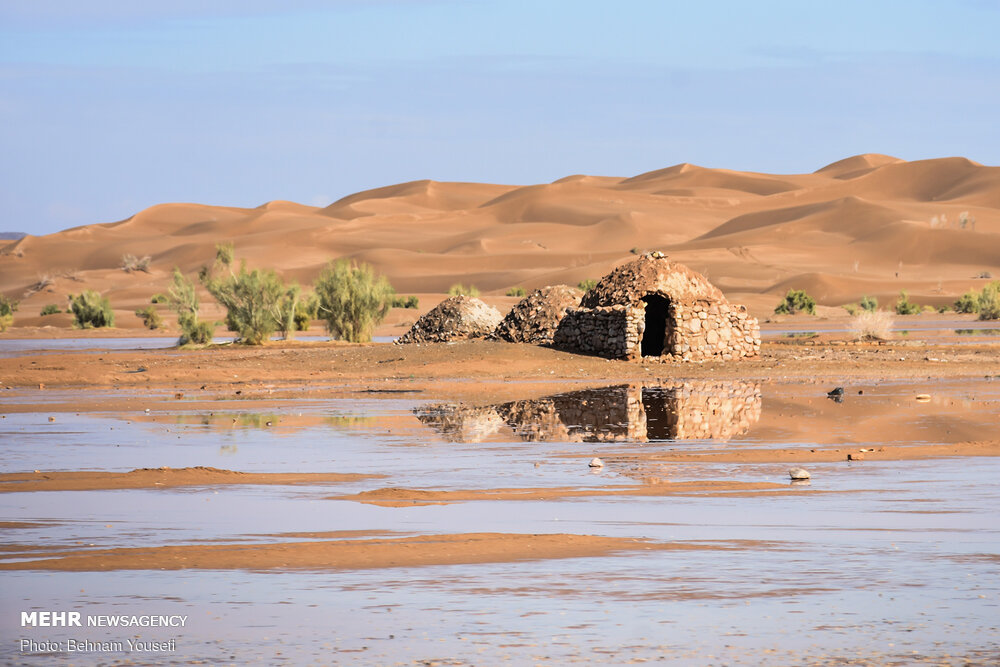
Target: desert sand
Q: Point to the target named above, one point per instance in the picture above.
(866, 225)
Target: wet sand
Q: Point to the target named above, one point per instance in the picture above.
(425, 550)
(149, 478)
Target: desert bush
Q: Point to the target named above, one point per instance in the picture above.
(405, 302)
(50, 309)
(7, 309)
(159, 298)
(984, 275)
(458, 289)
(869, 303)
(943, 309)
(968, 302)
(91, 310)
(516, 291)
(989, 302)
(132, 263)
(587, 285)
(872, 325)
(256, 301)
(44, 280)
(150, 318)
(906, 307)
(795, 301)
(352, 300)
(183, 300)
(306, 310)
(288, 306)
(851, 308)
(7, 306)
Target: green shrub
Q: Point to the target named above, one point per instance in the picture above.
(458, 289)
(906, 307)
(256, 302)
(968, 302)
(795, 301)
(7, 309)
(405, 302)
(159, 298)
(516, 291)
(150, 318)
(943, 309)
(352, 300)
(183, 300)
(306, 310)
(989, 302)
(869, 303)
(91, 310)
(50, 309)
(7, 306)
(587, 285)
(288, 307)
(851, 308)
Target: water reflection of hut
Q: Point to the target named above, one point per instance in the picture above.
(652, 307)
(708, 410)
(461, 423)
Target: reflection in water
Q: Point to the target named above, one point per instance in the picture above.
(626, 412)
(978, 332)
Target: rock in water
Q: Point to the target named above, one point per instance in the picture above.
(799, 473)
(596, 463)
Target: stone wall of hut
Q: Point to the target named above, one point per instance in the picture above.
(607, 331)
(704, 330)
(696, 331)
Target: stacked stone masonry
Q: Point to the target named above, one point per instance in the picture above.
(697, 321)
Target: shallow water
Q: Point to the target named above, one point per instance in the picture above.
(878, 562)
(10, 347)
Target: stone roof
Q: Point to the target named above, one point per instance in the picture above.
(534, 319)
(455, 318)
(652, 273)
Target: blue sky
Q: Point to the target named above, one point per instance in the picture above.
(108, 106)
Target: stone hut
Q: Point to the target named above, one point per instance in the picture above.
(652, 307)
(455, 318)
(534, 319)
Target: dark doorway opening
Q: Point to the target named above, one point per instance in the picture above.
(655, 335)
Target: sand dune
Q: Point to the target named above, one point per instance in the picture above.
(867, 224)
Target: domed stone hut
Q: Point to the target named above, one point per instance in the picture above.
(535, 317)
(652, 307)
(455, 318)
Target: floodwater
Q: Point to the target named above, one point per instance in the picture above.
(876, 562)
(10, 347)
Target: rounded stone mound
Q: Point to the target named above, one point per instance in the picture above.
(455, 318)
(652, 273)
(535, 318)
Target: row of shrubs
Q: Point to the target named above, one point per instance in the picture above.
(986, 303)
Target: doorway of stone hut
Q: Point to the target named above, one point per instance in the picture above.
(658, 325)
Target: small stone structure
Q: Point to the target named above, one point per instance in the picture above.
(652, 307)
(455, 318)
(535, 318)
